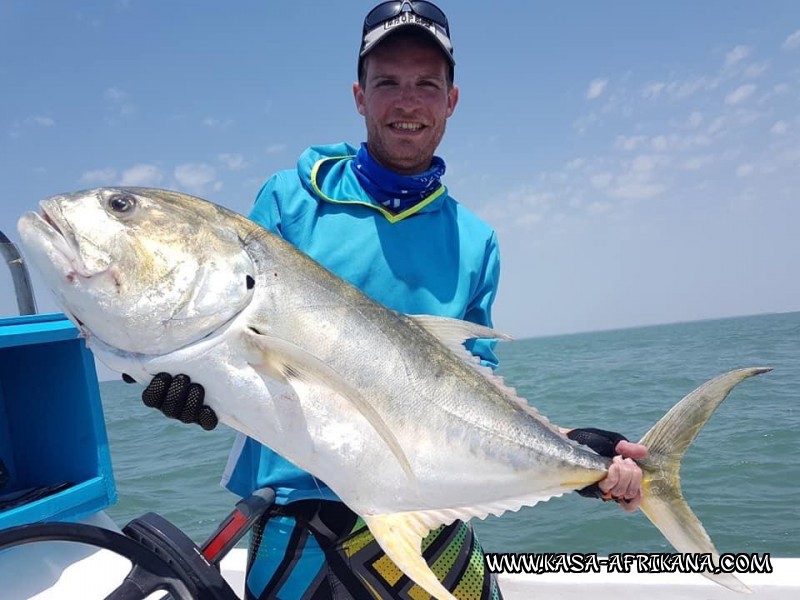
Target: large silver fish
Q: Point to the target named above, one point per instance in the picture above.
(389, 410)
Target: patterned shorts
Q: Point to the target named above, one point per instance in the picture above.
(321, 550)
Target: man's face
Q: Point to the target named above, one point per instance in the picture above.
(406, 102)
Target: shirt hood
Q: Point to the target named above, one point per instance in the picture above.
(325, 173)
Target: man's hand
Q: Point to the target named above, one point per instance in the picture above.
(624, 479)
(178, 398)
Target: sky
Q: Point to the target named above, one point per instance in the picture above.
(640, 161)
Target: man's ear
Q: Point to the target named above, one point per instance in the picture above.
(358, 96)
(452, 100)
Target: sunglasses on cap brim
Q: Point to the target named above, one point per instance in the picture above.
(388, 10)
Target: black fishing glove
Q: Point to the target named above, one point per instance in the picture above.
(601, 441)
(178, 398)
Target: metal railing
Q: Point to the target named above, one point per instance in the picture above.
(26, 303)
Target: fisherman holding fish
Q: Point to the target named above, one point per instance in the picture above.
(379, 217)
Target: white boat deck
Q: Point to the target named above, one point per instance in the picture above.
(61, 572)
(782, 584)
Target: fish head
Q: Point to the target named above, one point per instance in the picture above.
(144, 271)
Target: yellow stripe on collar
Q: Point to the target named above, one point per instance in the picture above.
(390, 216)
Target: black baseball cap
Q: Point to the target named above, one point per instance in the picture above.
(388, 17)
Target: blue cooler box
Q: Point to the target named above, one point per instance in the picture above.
(53, 442)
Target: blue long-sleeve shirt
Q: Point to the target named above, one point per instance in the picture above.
(437, 258)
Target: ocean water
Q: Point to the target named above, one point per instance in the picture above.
(741, 476)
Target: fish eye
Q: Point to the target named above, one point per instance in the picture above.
(122, 203)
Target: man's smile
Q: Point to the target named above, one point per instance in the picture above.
(406, 126)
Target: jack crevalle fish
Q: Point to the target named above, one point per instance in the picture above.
(390, 410)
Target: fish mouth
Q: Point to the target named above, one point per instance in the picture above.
(63, 241)
(46, 216)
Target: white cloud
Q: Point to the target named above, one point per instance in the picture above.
(41, 121)
(695, 120)
(532, 199)
(695, 163)
(524, 206)
(597, 208)
(17, 127)
(234, 162)
(107, 176)
(575, 163)
(740, 94)
(197, 178)
(630, 142)
(793, 41)
(660, 143)
(582, 124)
(717, 125)
(120, 100)
(115, 94)
(217, 123)
(756, 70)
(276, 148)
(653, 90)
(715, 134)
(780, 128)
(142, 175)
(637, 178)
(669, 142)
(528, 220)
(601, 181)
(790, 156)
(679, 90)
(596, 88)
(637, 190)
(645, 163)
(737, 54)
(781, 88)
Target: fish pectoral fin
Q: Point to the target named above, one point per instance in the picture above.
(400, 536)
(283, 361)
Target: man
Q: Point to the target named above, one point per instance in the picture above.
(379, 217)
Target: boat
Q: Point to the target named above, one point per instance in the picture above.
(56, 479)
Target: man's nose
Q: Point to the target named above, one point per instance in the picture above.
(409, 94)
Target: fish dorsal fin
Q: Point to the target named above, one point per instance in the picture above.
(283, 361)
(454, 332)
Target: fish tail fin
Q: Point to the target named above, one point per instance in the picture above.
(400, 536)
(667, 441)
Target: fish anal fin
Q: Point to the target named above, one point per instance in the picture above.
(400, 536)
